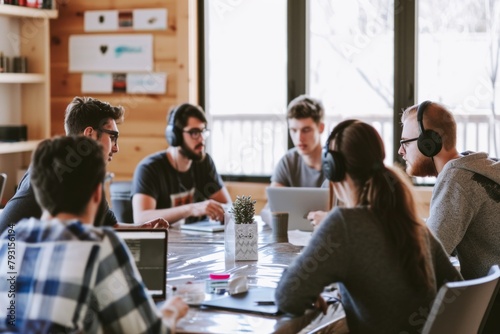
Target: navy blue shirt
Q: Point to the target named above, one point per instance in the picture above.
(24, 205)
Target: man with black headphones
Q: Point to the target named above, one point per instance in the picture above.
(181, 182)
(465, 203)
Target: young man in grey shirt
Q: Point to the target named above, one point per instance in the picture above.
(301, 165)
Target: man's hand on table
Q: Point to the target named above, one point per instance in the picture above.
(154, 223)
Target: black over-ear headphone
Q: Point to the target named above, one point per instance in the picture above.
(173, 134)
(429, 142)
(333, 162)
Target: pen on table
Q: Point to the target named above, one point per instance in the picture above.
(265, 302)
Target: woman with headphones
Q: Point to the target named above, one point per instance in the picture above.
(387, 264)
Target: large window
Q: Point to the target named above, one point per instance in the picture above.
(351, 62)
(365, 59)
(245, 87)
(458, 66)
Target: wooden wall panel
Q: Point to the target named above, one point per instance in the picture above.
(142, 132)
(256, 190)
(165, 45)
(71, 15)
(145, 116)
(58, 107)
(132, 151)
(63, 83)
(423, 197)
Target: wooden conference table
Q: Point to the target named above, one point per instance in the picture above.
(192, 256)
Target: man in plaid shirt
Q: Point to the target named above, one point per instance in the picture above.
(60, 273)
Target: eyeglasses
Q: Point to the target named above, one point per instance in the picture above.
(113, 135)
(404, 142)
(196, 133)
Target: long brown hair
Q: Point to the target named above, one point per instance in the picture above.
(387, 193)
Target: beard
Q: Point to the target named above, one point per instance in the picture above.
(422, 167)
(190, 154)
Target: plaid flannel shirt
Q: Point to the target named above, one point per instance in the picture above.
(68, 277)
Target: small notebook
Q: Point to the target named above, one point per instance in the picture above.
(255, 300)
(204, 226)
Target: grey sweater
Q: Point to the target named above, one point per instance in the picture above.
(465, 212)
(292, 171)
(351, 248)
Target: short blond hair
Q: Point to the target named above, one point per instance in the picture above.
(437, 118)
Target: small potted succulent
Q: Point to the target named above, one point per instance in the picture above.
(244, 230)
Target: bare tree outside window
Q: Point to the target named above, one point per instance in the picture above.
(350, 67)
(246, 84)
(458, 60)
(351, 61)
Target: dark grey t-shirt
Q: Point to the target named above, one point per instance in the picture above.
(156, 177)
(292, 171)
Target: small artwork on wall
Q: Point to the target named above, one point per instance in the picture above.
(136, 19)
(130, 83)
(125, 19)
(97, 83)
(119, 83)
(150, 83)
(111, 53)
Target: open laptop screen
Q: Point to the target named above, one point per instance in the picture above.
(149, 250)
(298, 202)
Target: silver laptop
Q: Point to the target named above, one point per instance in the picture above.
(298, 202)
(204, 226)
(149, 250)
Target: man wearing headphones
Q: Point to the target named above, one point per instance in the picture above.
(301, 165)
(181, 182)
(465, 203)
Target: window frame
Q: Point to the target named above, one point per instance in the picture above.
(405, 13)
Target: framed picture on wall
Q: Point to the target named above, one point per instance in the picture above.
(111, 53)
(130, 83)
(134, 19)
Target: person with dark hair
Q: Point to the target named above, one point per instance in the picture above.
(386, 262)
(301, 165)
(465, 202)
(69, 275)
(84, 116)
(181, 182)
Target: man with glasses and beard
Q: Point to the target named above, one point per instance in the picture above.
(181, 182)
(465, 203)
(84, 116)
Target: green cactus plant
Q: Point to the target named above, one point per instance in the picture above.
(243, 210)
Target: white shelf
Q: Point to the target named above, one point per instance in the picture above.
(21, 11)
(22, 78)
(17, 147)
